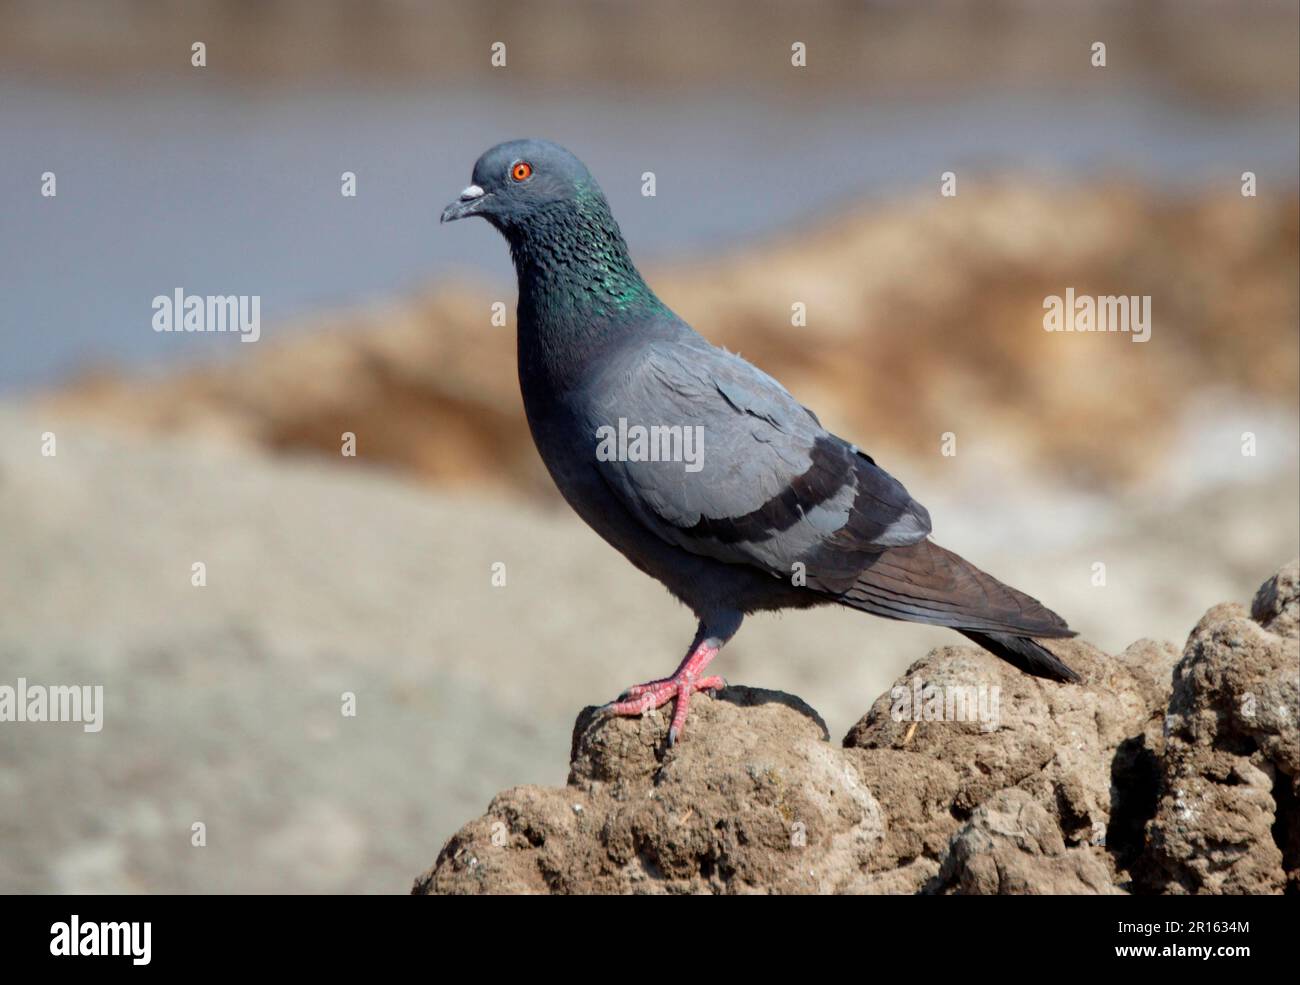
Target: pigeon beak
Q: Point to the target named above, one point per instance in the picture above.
(469, 203)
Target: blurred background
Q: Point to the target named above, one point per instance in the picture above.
(774, 184)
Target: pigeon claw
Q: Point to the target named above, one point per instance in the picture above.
(645, 698)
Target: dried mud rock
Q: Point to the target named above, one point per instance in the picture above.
(1029, 802)
(1157, 774)
(758, 802)
(1227, 818)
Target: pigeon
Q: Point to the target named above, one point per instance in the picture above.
(700, 468)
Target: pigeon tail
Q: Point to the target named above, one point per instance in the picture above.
(1022, 652)
(925, 583)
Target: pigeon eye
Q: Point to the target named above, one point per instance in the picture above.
(522, 171)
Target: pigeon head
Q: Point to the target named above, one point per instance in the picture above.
(524, 183)
(569, 254)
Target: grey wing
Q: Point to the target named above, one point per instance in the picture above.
(764, 484)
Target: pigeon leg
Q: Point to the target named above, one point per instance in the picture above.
(685, 681)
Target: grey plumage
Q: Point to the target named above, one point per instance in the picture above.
(778, 512)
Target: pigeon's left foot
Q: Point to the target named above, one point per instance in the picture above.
(686, 681)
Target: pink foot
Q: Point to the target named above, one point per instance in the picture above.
(686, 681)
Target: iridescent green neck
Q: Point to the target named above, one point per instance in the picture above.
(571, 260)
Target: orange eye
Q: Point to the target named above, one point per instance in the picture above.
(522, 171)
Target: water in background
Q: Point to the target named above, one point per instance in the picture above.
(229, 190)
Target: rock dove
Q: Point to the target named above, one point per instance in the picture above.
(699, 467)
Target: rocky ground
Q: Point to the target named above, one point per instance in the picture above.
(1160, 773)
